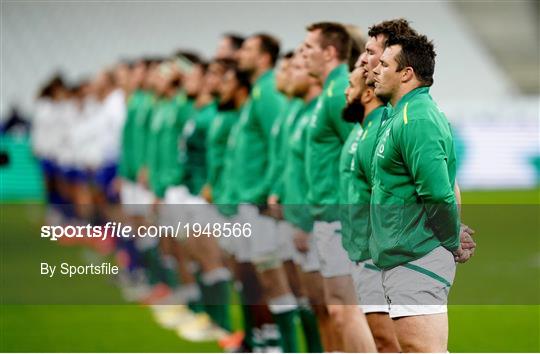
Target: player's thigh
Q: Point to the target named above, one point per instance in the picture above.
(382, 328)
(340, 290)
(274, 281)
(425, 333)
(314, 287)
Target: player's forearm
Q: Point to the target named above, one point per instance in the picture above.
(444, 221)
(440, 204)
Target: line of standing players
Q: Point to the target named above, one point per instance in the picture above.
(334, 155)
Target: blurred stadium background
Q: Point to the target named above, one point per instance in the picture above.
(486, 76)
(487, 81)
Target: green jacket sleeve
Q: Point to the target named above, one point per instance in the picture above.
(152, 153)
(143, 138)
(268, 107)
(168, 147)
(276, 158)
(426, 154)
(217, 146)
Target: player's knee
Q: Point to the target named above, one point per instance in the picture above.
(416, 344)
(320, 311)
(315, 297)
(386, 342)
(337, 314)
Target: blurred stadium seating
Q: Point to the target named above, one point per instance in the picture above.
(486, 77)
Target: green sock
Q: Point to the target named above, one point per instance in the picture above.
(194, 300)
(218, 302)
(311, 330)
(153, 265)
(216, 296)
(196, 306)
(248, 325)
(170, 271)
(286, 322)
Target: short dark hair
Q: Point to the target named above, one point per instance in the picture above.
(243, 77)
(146, 61)
(156, 60)
(391, 28)
(336, 35)
(204, 66)
(55, 82)
(226, 63)
(236, 39)
(418, 52)
(288, 55)
(269, 45)
(189, 55)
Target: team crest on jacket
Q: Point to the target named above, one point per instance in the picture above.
(380, 148)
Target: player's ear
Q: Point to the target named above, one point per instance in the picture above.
(367, 95)
(265, 59)
(329, 52)
(407, 74)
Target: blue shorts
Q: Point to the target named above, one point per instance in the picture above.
(73, 174)
(103, 178)
(49, 167)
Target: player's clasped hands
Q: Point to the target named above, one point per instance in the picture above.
(467, 245)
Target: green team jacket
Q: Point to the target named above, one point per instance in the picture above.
(355, 184)
(173, 171)
(160, 136)
(264, 105)
(326, 134)
(413, 206)
(279, 145)
(294, 199)
(216, 142)
(228, 198)
(194, 142)
(136, 128)
(125, 165)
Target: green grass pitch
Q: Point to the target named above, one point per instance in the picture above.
(494, 300)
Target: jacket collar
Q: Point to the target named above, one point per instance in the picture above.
(338, 71)
(422, 90)
(377, 112)
(264, 76)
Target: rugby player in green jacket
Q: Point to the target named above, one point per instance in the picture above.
(280, 131)
(258, 56)
(367, 277)
(135, 195)
(203, 81)
(126, 169)
(279, 151)
(218, 134)
(326, 49)
(414, 213)
(143, 195)
(364, 108)
(161, 133)
(293, 199)
(234, 92)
